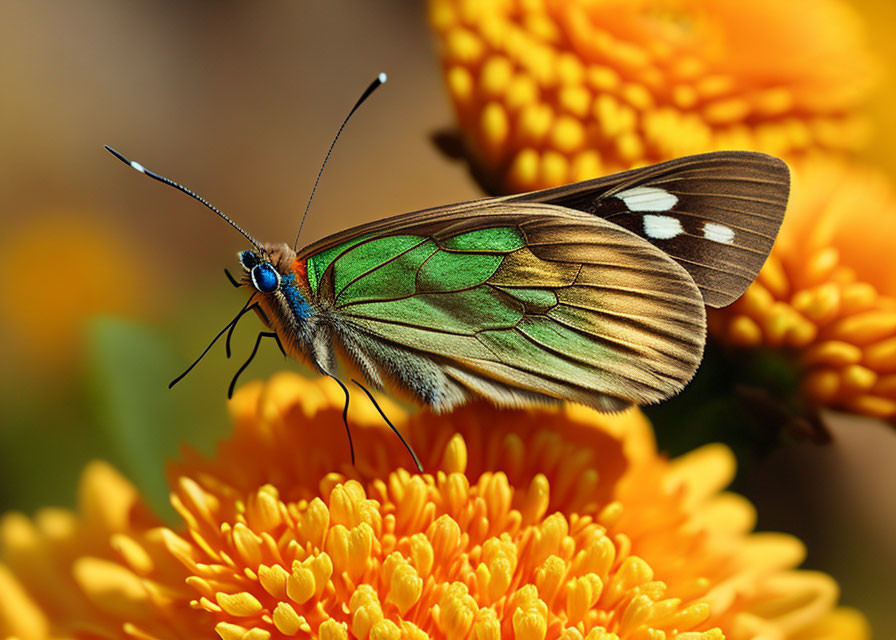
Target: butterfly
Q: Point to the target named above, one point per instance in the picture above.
(593, 292)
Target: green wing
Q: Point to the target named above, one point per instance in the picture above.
(517, 302)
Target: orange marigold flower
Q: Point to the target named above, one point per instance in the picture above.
(103, 573)
(828, 293)
(553, 91)
(533, 525)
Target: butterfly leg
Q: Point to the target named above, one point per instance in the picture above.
(351, 445)
(263, 334)
(234, 323)
(279, 344)
(391, 426)
(233, 280)
(227, 328)
(253, 307)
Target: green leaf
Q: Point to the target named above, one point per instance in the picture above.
(748, 399)
(130, 368)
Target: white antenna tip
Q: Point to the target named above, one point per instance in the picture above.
(138, 167)
(383, 77)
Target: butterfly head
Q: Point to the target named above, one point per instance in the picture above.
(262, 274)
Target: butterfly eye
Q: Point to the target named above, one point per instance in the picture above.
(265, 278)
(249, 259)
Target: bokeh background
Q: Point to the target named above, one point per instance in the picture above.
(111, 284)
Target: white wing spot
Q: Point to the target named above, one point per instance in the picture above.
(661, 227)
(647, 199)
(718, 232)
(138, 166)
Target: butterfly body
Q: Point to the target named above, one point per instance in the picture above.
(594, 292)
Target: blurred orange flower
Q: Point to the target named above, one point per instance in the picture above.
(101, 573)
(554, 91)
(82, 266)
(827, 294)
(559, 523)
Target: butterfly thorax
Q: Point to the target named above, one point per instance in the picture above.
(281, 256)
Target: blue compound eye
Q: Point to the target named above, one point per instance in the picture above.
(249, 259)
(265, 278)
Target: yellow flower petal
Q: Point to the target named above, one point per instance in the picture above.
(20, 615)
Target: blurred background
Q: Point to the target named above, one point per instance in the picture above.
(112, 284)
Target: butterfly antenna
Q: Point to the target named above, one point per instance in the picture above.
(249, 304)
(391, 426)
(171, 183)
(348, 431)
(380, 79)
